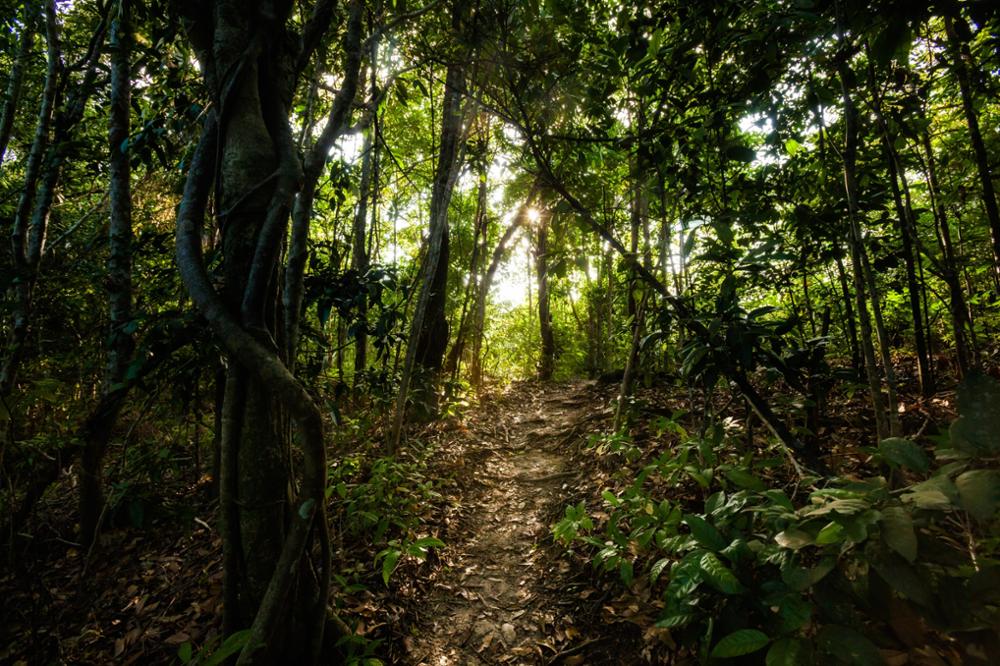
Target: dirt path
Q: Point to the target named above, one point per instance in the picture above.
(506, 595)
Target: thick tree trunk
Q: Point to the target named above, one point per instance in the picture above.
(961, 60)
(271, 520)
(119, 279)
(428, 328)
(16, 79)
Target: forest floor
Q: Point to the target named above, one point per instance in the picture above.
(501, 591)
(506, 593)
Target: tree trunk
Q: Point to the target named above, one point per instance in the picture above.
(546, 363)
(20, 258)
(428, 328)
(16, 79)
(359, 257)
(961, 60)
(481, 225)
(276, 540)
(857, 248)
(119, 279)
(957, 307)
(483, 294)
(906, 227)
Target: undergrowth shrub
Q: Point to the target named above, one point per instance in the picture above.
(849, 571)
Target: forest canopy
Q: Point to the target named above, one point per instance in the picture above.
(284, 277)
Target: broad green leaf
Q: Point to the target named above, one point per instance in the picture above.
(780, 498)
(789, 652)
(744, 641)
(675, 620)
(745, 479)
(705, 533)
(794, 611)
(898, 533)
(389, 564)
(626, 571)
(979, 490)
(937, 493)
(657, 569)
(847, 646)
(977, 430)
(184, 652)
(719, 576)
(831, 533)
(233, 644)
(901, 452)
(792, 147)
(793, 538)
(905, 580)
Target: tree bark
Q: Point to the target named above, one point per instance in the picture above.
(16, 80)
(20, 257)
(359, 256)
(857, 245)
(906, 227)
(429, 328)
(961, 60)
(481, 227)
(547, 352)
(119, 278)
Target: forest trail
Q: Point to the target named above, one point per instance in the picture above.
(505, 595)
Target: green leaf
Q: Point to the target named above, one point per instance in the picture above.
(626, 572)
(745, 479)
(847, 646)
(780, 498)
(900, 452)
(704, 533)
(905, 580)
(657, 569)
(977, 430)
(831, 533)
(719, 576)
(792, 147)
(898, 533)
(233, 644)
(936, 494)
(789, 652)
(389, 564)
(184, 652)
(744, 641)
(979, 490)
(306, 508)
(793, 538)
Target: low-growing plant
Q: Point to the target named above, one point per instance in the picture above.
(829, 576)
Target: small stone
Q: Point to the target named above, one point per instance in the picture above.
(508, 633)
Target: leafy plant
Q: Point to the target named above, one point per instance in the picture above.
(818, 578)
